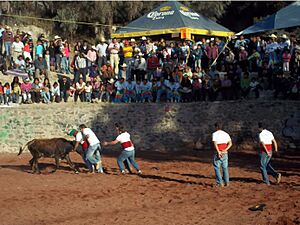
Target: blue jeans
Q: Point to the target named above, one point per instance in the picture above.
(127, 155)
(218, 163)
(265, 167)
(159, 93)
(87, 162)
(7, 46)
(93, 150)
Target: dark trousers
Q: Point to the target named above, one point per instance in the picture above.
(80, 71)
(81, 96)
(36, 97)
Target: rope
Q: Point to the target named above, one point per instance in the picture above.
(70, 21)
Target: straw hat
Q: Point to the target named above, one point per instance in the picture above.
(144, 38)
(111, 81)
(29, 33)
(132, 40)
(273, 36)
(284, 36)
(124, 65)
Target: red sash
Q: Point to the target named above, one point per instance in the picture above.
(85, 146)
(126, 144)
(222, 147)
(268, 147)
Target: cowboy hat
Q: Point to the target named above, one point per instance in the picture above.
(57, 37)
(124, 65)
(140, 54)
(273, 36)
(144, 38)
(111, 81)
(102, 39)
(26, 79)
(132, 40)
(29, 33)
(284, 36)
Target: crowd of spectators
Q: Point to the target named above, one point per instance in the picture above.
(145, 70)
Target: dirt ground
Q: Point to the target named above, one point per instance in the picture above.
(175, 188)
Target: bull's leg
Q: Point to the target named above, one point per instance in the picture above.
(70, 163)
(31, 162)
(36, 163)
(56, 163)
(33, 166)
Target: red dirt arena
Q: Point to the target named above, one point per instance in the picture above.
(175, 188)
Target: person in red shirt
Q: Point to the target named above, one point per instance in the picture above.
(152, 64)
(128, 150)
(222, 143)
(267, 141)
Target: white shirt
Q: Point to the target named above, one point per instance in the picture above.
(125, 137)
(18, 46)
(79, 138)
(220, 137)
(88, 89)
(101, 48)
(266, 137)
(93, 140)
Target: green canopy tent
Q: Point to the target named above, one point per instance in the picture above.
(172, 18)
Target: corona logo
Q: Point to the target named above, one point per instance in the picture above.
(165, 8)
(183, 8)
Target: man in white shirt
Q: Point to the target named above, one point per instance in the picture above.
(222, 143)
(114, 48)
(93, 152)
(17, 47)
(101, 50)
(81, 147)
(128, 152)
(266, 141)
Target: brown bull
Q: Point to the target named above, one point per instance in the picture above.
(57, 148)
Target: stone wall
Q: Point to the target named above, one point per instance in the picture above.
(154, 127)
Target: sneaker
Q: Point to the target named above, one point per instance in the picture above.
(123, 172)
(220, 185)
(98, 165)
(139, 172)
(226, 184)
(278, 178)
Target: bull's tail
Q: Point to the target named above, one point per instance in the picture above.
(25, 146)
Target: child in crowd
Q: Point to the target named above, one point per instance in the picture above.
(16, 90)
(1, 94)
(88, 92)
(55, 91)
(7, 93)
(46, 95)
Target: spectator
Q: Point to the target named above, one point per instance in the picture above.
(286, 58)
(41, 67)
(26, 89)
(88, 92)
(101, 50)
(80, 88)
(55, 92)
(16, 90)
(7, 93)
(8, 39)
(36, 90)
(114, 49)
(245, 85)
(17, 48)
(45, 94)
(64, 85)
(81, 68)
